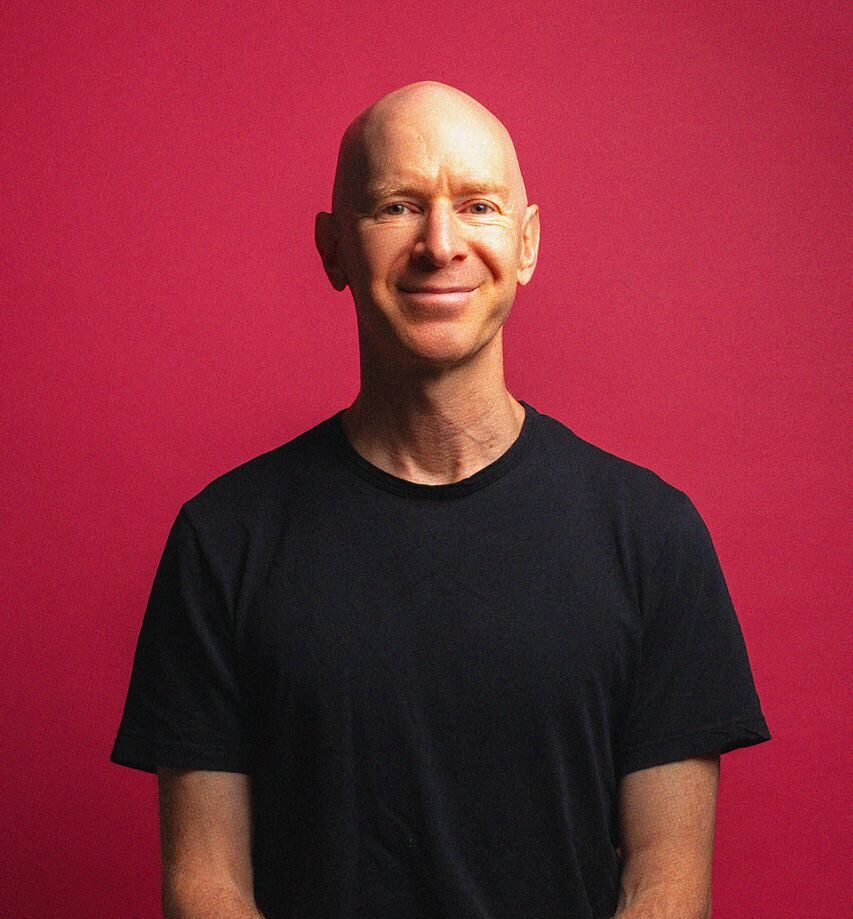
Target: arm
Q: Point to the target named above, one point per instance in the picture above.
(666, 817)
(205, 830)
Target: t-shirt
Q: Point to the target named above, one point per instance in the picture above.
(437, 688)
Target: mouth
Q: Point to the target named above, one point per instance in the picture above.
(434, 289)
(432, 295)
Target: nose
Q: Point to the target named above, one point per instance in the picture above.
(441, 239)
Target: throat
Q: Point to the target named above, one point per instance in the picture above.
(433, 444)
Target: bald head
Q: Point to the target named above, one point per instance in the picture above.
(420, 123)
(431, 230)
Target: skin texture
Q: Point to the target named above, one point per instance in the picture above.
(205, 833)
(667, 816)
(428, 195)
(428, 192)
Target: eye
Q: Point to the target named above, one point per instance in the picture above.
(396, 209)
(480, 208)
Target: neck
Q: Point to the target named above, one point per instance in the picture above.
(434, 426)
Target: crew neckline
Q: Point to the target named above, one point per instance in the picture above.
(482, 477)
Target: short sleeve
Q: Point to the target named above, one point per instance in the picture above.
(694, 692)
(183, 704)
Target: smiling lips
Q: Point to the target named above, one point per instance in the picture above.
(438, 296)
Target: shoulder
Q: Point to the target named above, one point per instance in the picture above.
(258, 492)
(598, 480)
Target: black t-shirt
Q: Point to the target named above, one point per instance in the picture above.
(436, 688)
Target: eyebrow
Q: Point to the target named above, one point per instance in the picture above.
(379, 190)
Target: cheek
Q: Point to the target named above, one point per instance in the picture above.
(503, 262)
(382, 251)
(500, 249)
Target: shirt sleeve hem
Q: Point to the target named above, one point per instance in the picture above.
(718, 738)
(148, 754)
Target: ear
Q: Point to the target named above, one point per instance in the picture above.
(326, 241)
(529, 244)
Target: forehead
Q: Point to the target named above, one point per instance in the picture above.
(428, 151)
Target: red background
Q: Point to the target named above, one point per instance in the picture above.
(166, 317)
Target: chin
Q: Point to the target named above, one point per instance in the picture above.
(439, 343)
(444, 347)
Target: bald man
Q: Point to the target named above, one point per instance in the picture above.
(437, 657)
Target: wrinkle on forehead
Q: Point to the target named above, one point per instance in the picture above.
(424, 111)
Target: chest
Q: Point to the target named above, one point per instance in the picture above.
(443, 624)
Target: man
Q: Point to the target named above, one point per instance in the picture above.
(438, 656)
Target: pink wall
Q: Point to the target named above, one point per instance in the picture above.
(162, 163)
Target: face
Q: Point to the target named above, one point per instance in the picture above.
(433, 235)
